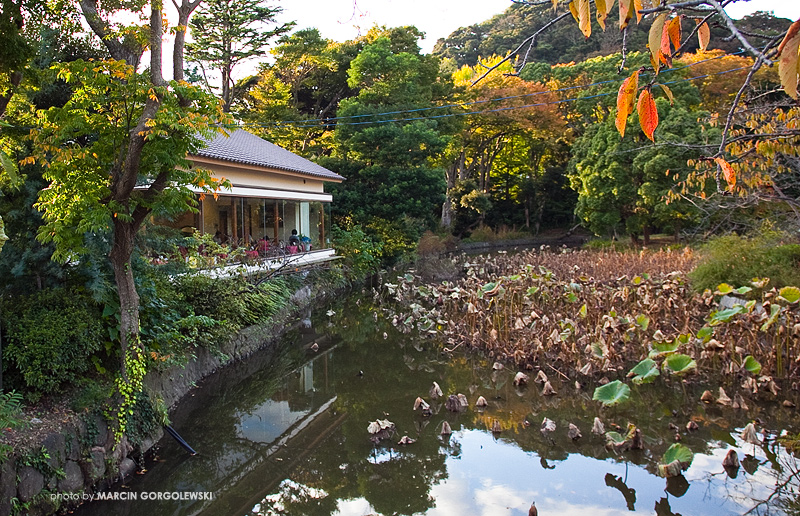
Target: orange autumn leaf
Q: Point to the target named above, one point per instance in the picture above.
(703, 35)
(637, 6)
(648, 114)
(625, 13)
(625, 99)
(666, 53)
(788, 65)
(603, 8)
(727, 172)
(674, 32)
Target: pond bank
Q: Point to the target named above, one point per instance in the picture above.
(79, 455)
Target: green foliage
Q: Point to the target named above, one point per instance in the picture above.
(227, 32)
(751, 365)
(50, 337)
(736, 260)
(360, 252)
(612, 393)
(11, 410)
(144, 419)
(233, 301)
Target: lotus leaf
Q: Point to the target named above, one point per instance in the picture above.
(680, 453)
(612, 393)
(705, 333)
(752, 365)
(774, 311)
(680, 364)
(664, 348)
(642, 321)
(644, 372)
(723, 288)
(789, 294)
(723, 316)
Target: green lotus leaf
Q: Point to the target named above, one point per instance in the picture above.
(615, 437)
(743, 290)
(644, 372)
(774, 311)
(612, 393)
(679, 363)
(642, 321)
(680, 453)
(723, 288)
(723, 316)
(752, 365)
(665, 348)
(705, 333)
(790, 294)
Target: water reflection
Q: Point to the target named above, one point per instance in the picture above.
(286, 433)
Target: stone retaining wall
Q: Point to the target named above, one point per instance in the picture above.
(83, 456)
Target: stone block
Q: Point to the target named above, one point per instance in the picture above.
(73, 479)
(126, 468)
(8, 486)
(94, 467)
(73, 444)
(31, 482)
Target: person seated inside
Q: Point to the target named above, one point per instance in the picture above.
(294, 239)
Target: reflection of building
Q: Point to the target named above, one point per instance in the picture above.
(273, 191)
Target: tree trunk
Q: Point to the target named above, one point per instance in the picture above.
(646, 234)
(120, 257)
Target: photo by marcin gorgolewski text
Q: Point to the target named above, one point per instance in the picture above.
(131, 496)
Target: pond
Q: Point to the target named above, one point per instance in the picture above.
(286, 433)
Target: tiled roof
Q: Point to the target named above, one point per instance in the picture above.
(249, 149)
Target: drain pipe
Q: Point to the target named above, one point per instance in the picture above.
(171, 431)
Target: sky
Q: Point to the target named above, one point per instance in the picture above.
(341, 20)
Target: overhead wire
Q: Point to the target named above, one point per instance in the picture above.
(337, 121)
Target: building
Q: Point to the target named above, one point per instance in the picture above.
(273, 191)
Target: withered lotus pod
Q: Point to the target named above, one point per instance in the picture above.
(436, 391)
(548, 390)
(739, 403)
(446, 430)
(597, 427)
(731, 460)
(463, 401)
(406, 440)
(521, 379)
(541, 377)
(750, 435)
(707, 397)
(452, 404)
(481, 403)
(723, 398)
(548, 425)
(573, 433)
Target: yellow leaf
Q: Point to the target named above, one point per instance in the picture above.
(727, 172)
(655, 37)
(788, 65)
(703, 35)
(573, 9)
(648, 114)
(625, 99)
(668, 93)
(602, 13)
(584, 18)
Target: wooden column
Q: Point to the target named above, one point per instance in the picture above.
(234, 223)
(322, 227)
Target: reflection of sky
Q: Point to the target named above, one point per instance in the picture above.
(494, 477)
(268, 421)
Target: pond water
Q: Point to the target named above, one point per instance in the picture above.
(286, 433)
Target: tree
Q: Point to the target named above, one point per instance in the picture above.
(228, 32)
(388, 161)
(525, 113)
(116, 152)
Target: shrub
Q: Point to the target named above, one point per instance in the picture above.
(360, 252)
(736, 260)
(51, 336)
